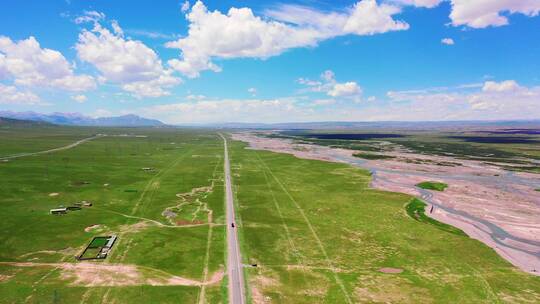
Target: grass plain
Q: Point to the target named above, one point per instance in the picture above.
(437, 186)
(316, 231)
(101, 171)
(416, 209)
(319, 234)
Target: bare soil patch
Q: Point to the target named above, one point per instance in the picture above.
(390, 270)
(92, 227)
(99, 274)
(5, 277)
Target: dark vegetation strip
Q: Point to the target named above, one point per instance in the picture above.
(513, 131)
(416, 209)
(351, 136)
(496, 139)
(433, 186)
(372, 156)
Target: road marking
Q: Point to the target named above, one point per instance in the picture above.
(234, 262)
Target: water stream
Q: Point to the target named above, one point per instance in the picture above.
(497, 234)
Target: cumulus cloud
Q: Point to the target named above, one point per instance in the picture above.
(252, 91)
(481, 14)
(331, 87)
(126, 62)
(368, 18)
(30, 65)
(90, 16)
(350, 88)
(12, 95)
(472, 103)
(324, 102)
(79, 98)
(150, 34)
(225, 110)
(185, 6)
(419, 3)
(496, 100)
(447, 41)
(503, 86)
(241, 34)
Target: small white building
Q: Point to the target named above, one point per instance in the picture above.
(58, 211)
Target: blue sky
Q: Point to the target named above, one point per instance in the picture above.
(273, 61)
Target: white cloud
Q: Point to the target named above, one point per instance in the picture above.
(185, 6)
(307, 82)
(241, 34)
(484, 13)
(496, 100)
(324, 102)
(428, 104)
(79, 98)
(480, 13)
(252, 91)
(503, 86)
(116, 28)
(90, 16)
(369, 18)
(447, 41)
(150, 34)
(331, 87)
(30, 65)
(11, 95)
(196, 97)
(350, 88)
(226, 110)
(419, 3)
(126, 62)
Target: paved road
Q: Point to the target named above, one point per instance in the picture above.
(234, 262)
(73, 145)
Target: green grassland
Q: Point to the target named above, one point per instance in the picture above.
(101, 171)
(437, 186)
(319, 234)
(21, 138)
(416, 209)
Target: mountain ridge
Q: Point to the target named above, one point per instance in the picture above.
(77, 119)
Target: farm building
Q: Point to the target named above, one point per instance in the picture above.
(98, 248)
(58, 211)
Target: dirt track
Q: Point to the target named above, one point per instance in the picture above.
(73, 145)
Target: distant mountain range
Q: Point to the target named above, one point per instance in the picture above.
(76, 119)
